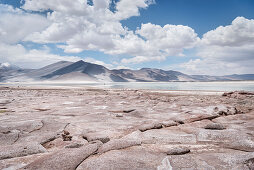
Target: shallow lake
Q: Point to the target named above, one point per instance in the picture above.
(204, 86)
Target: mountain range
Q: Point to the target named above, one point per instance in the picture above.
(84, 71)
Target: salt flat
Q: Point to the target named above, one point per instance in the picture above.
(92, 128)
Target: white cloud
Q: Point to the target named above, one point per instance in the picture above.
(127, 8)
(84, 27)
(225, 50)
(15, 25)
(80, 26)
(92, 60)
(122, 67)
(215, 67)
(35, 58)
(239, 33)
(141, 59)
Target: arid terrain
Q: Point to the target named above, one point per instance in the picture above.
(87, 128)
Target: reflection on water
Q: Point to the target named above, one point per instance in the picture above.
(210, 86)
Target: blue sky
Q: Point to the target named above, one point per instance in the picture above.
(201, 15)
(197, 16)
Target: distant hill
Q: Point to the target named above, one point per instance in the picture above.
(84, 71)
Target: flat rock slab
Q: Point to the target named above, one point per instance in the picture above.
(18, 150)
(215, 126)
(66, 159)
(135, 158)
(178, 151)
(22, 126)
(96, 136)
(169, 122)
(241, 144)
(9, 137)
(50, 130)
(162, 136)
(117, 144)
(224, 161)
(157, 125)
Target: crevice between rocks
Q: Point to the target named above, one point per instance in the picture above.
(17, 138)
(39, 127)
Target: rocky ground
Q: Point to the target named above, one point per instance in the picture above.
(125, 129)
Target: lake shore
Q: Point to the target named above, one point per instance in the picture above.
(101, 128)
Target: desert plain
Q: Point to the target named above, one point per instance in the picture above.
(93, 128)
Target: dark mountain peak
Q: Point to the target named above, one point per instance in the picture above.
(81, 62)
(145, 68)
(79, 66)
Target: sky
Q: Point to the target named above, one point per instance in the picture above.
(214, 37)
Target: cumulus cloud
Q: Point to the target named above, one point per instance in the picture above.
(225, 50)
(79, 26)
(159, 42)
(35, 58)
(15, 24)
(92, 60)
(239, 33)
(127, 8)
(95, 27)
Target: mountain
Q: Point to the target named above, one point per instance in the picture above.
(8, 67)
(8, 71)
(84, 71)
(149, 74)
(240, 77)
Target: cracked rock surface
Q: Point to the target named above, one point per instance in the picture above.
(85, 128)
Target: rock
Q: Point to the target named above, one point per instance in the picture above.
(74, 145)
(136, 158)
(165, 165)
(150, 126)
(128, 111)
(178, 151)
(222, 136)
(66, 136)
(117, 144)
(169, 123)
(250, 163)
(65, 159)
(237, 94)
(179, 121)
(18, 150)
(212, 161)
(55, 144)
(22, 126)
(66, 132)
(201, 117)
(49, 131)
(9, 137)
(119, 115)
(215, 126)
(241, 144)
(42, 110)
(93, 137)
(162, 136)
(4, 102)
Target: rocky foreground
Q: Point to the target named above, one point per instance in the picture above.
(125, 129)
